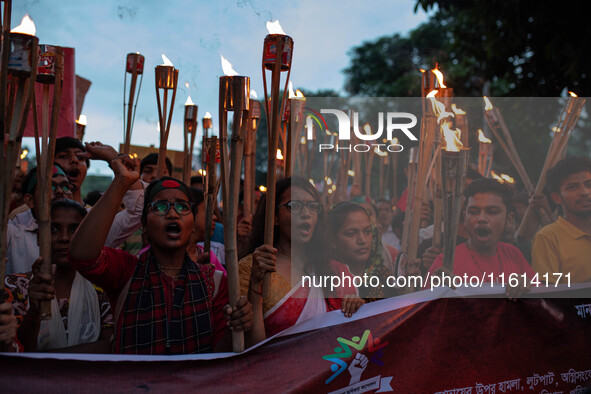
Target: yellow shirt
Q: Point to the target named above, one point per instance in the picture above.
(562, 247)
(279, 285)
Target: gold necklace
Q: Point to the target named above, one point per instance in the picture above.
(168, 268)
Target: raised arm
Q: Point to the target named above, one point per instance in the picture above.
(92, 233)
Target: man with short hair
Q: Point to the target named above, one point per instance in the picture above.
(149, 168)
(22, 247)
(487, 210)
(71, 155)
(564, 247)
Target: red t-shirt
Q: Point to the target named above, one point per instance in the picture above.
(507, 260)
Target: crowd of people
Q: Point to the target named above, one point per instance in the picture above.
(130, 273)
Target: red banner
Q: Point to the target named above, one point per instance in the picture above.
(451, 345)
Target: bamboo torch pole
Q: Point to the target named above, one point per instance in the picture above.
(413, 159)
(443, 108)
(453, 174)
(135, 67)
(190, 132)
(566, 122)
(277, 56)
(254, 115)
(234, 96)
(22, 68)
(48, 76)
(166, 79)
(210, 186)
(497, 125)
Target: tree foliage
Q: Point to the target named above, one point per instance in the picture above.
(507, 48)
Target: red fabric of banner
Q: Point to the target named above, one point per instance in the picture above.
(447, 345)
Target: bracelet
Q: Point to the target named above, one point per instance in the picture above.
(116, 157)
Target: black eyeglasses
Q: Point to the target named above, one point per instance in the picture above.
(162, 207)
(65, 186)
(296, 207)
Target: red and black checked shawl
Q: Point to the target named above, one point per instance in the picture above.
(145, 328)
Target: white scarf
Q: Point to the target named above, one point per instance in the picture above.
(84, 319)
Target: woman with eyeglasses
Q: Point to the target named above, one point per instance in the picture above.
(299, 250)
(164, 303)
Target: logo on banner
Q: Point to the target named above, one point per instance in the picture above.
(388, 124)
(361, 351)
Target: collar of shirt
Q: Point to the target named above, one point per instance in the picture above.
(572, 230)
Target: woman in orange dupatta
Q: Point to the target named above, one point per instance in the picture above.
(299, 250)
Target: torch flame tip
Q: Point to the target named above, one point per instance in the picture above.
(189, 101)
(439, 76)
(27, 26)
(253, 94)
(82, 120)
(457, 111)
(452, 138)
(482, 138)
(488, 105)
(207, 116)
(227, 67)
(166, 61)
(572, 94)
(274, 27)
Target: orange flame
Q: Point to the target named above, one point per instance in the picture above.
(367, 128)
(432, 93)
(452, 140)
(496, 177)
(227, 67)
(457, 111)
(439, 110)
(439, 76)
(572, 94)
(279, 155)
(27, 26)
(274, 28)
(82, 120)
(166, 61)
(189, 101)
(488, 105)
(482, 138)
(207, 116)
(507, 178)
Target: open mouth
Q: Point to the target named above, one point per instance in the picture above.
(173, 229)
(73, 173)
(482, 232)
(305, 227)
